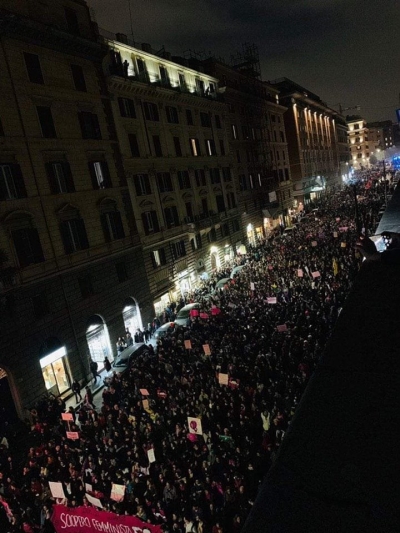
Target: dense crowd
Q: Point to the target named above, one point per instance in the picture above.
(275, 318)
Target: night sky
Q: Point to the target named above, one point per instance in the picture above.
(346, 51)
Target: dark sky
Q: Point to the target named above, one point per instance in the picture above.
(345, 51)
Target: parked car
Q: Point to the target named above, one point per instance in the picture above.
(289, 230)
(163, 330)
(183, 315)
(127, 356)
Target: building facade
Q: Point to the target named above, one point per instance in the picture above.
(312, 140)
(171, 128)
(359, 143)
(258, 143)
(71, 270)
(381, 138)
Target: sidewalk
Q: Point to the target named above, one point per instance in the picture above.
(95, 387)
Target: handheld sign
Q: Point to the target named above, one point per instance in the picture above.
(117, 492)
(144, 392)
(67, 417)
(315, 274)
(73, 435)
(195, 426)
(151, 456)
(223, 379)
(188, 344)
(281, 328)
(56, 489)
(206, 348)
(271, 300)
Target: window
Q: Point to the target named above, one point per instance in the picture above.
(242, 182)
(200, 87)
(32, 63)
(195, 147)
(210, 147)
(172, 115)
(205, 120)
(281, 136)
(79, 78)
(189, 117)
(177, 145)
(27, 246)
(112, 226)
(212, 235)
(1, 129)
(251, 180)
(158, 257)
(157, 146)
(126, 107)
(222, 147)
(40, 305)
(73, 234)
(122, 272)
(218, 121)
(133, 144)
(150, 222)
(11, 182)
(90, 126)
(182, 81)
(183, 179)
(46, 121)
(189, 211)
(238, 158)
(225, 230)
(86, 286)
(151, 111)
(142, 184)
(215, 176)
(200, 177)
(204, 206)
(164, 182)
(171, 216)
(60, 177)
(234, 132)
(196, 242)
(72, 21)
(236, 224)
(100, 175)
(220, 203)
(226, 174)
(164, 76)
(178, 249)
(231, 200)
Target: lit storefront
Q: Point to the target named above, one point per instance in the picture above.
(162, 303)
(251, 238)
(228, 253)
(184, 282)
(131, 316)
(55, 371)
(98, 340)
(272, 218)
(214, 258)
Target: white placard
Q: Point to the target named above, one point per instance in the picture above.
(223, 379)
(195, 426)
(117, 492)
(151, 456)
(94, 501)
(252, 286)
(56, 489)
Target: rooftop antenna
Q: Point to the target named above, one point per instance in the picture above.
(130, 18)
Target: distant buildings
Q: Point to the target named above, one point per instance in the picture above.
(313, 141)
(360, 145)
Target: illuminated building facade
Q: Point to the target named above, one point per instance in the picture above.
(359, 142)
(171, 127)
(312, 141)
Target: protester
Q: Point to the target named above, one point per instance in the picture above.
(265, 332)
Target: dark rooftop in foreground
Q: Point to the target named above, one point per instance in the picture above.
(338, 467)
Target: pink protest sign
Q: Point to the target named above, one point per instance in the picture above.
(206, 348)
(67, 416)
(315, 274)
(73, 435)
(282, 328)
(300, 273)
(188, 345)
(314, 243)
(144, 392)
(271, 300)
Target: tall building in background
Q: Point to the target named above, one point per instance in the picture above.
(71, 270)
(171, 126)
(381, 139)
(359, 142)
(312, 140)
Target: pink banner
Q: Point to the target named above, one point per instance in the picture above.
(90, 520)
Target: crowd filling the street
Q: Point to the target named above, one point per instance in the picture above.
(190, 427)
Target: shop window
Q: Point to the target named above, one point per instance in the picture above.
(98, 340)
(55, 371)
(131, 316)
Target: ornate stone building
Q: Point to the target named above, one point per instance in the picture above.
(171, 128)
(71, 270)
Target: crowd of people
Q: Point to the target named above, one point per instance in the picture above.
(274, 320)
